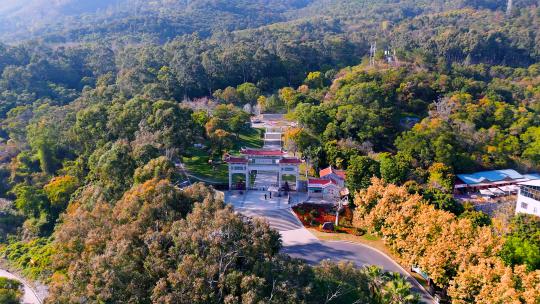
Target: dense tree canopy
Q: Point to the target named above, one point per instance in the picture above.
(96, 112)
(453, 251)
(158, 244)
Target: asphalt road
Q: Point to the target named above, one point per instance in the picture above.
(300, 243)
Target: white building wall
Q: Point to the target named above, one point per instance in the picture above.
(527, 205)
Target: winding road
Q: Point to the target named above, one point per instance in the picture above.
(30, 296)
(300, 243)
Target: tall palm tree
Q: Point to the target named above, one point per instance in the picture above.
(398, 291)
(376, 279)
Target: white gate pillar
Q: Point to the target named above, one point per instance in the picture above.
(230, 178)
(297, 180)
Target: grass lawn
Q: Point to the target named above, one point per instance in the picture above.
(289, 178)
(367, 239)
(197, 165)
(197, 161)
(253, 138)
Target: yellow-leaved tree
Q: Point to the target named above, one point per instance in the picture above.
(455, 253)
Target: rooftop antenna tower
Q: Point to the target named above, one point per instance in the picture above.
(509, 7)
(372, 51)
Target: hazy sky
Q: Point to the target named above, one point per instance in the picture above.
(9, 4)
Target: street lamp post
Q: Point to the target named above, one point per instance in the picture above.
(337, 212)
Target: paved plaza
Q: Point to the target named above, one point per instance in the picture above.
(255, 200)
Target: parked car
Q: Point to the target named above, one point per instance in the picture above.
(184, 184)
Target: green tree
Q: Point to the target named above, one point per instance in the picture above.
(274, 104)
(262, 103)
(33, 203)
(30, 200)
(522, 244)
(172, 124)
(229, 95)
(112, 167)
(478, 218)
(288, 95)
(443, 201)
(341, 283)
(394, 169)
(161, 168)
(360, 171)
(398, 291)
(221, 140)
(124, 117)
(441, 177)
(44, 138)
(248, 92)
(299, 140)
(91, 127)
(315, 80)
(239, 122)
(59, 191)
(531, 138)
(200, 118)
(376, 277)
(11, 291)
(23, 166)
(312, 117)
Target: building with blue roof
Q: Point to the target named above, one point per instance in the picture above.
(532, 176)
(493, 179)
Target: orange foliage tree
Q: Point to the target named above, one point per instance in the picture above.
(452, 251)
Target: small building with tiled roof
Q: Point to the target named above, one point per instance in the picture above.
(323, 188)
(338, 176)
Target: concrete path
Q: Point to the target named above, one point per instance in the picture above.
(300, 243)
(30, 296)
(264, 180)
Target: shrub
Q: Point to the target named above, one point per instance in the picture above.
(358, 231)
(10, 291)
(34, 256)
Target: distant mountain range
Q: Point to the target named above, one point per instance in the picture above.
(68, 20)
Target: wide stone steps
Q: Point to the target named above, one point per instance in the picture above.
(274, 136)
(280, 219)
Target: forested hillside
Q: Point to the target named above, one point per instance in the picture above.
(134, 20)
(100, 99)
(159, 21)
